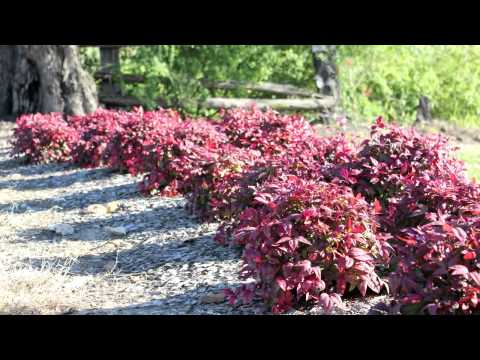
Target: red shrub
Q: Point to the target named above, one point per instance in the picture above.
(266, 131)
(449, 193)
(438, 269)
(307, 241)
(394, 158)
(96, 130)
(216, 189)
(43, 138)
(226, 186)
(192, 144)
(133, 147)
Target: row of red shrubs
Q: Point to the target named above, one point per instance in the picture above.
(317, 217)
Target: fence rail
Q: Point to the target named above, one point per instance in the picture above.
(110, 91)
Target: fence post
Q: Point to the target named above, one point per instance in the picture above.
(109, 64)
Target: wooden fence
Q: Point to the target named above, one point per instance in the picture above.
(303, 99)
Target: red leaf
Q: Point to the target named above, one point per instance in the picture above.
(348, 225)
(408, 241)
(459, 234)
(348, 262)
(470, 255)
(362, 287)
(379, 122)
(326, 302)
(359, 228)
(377, 206)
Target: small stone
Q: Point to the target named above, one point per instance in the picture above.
(96, 209)
(62, 229)
(112, 206)
(99, 209)
(213, 298)
(117, 231)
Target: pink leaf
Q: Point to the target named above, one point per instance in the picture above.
(283, 239)
(475, 277)
(303, 240)
(282, 284)
(458, 270)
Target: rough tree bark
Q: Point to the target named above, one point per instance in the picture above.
(44, 78)
(326, 79)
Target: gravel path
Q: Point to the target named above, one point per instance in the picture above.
(167, 263)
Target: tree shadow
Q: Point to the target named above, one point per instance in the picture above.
(77, 200)
(187, 303)
(155, 214)
(57, 181)
(33, 169)
(148, 255)
(7, 163)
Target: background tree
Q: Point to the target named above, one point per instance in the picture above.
(44, 78)
(326, 79)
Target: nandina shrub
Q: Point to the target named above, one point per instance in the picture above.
(96, 131)
(226, 187)
(393, 158)
(265, 131)
(214, 190)
(173, 175)
(309, 241)
(131, 147)
(202, 132)
(438, 267)
(43, 138)
(193, 143)
(450, 193)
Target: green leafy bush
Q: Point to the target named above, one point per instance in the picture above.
(174, 72)
(389, 79)
(374, 79)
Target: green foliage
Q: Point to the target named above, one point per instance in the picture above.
(375, 80)
(470, 155)
(90, 58)
(174, 72)
(389, 79)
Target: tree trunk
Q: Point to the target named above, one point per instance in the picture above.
(424, 110)
(44, 78)
(324, 57)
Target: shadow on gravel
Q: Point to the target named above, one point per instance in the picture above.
(148, 218)
(32, 169)
(6, 164)
(77, 200)
(9, 166)
(187, 303)
(145, 257)
(56, 181)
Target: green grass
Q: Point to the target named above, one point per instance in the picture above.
(471, 155)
